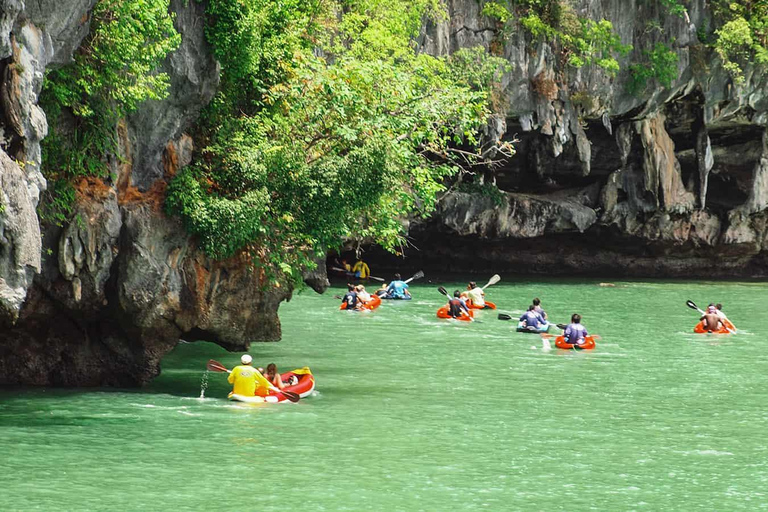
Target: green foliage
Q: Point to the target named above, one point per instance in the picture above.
(675, 7)
(112, 73)
(304, 151)
(660, 65)
(497, 11)
(743, 36)
(582, 41)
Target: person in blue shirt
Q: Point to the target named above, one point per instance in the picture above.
(398, 289)
(537, 308)
(575, 333)
(531, 319)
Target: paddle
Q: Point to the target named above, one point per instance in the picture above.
(445, 292)
(352, 274)
(495, 278)
(504, 316)
(693, 305)
(417, 275)
(545, 335)
(216, 366)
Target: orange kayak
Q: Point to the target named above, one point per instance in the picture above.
(373, 303)
(589, 344)
(488, 305)
(723, 330)
(443, 313)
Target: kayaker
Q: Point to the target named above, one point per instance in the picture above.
(531, 319)
(719, 311)
(361, 270)
(537, 308)
(363, 295)
(246, 379)
(475, 294)
(575, 333)
(712, 321)
(274, 377)
(382, 291)
(456, 306)
(398, 289)
(350, 298)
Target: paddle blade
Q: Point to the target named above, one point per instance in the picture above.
(379, 279)
(291, 396)
(417, 275)
(493, 280)
(561, 326)
(504, 316)
(691, 304)
(216, 366)
(443, 291)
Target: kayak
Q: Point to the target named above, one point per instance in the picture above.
(488, 305)
(542, 328)
(373, 303)
(443, 313)
(304, 386)
(389, 297)
(723, 330)
(589, 344)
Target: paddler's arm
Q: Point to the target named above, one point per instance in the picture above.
(263, 381)
(231, 378)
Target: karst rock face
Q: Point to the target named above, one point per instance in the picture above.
(100, 300)
(665, 181)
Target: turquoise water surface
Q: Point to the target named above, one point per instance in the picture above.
(416, 413)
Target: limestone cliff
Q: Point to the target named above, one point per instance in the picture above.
(664, 181)
(99, 301)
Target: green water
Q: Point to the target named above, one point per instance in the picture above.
(416, 413)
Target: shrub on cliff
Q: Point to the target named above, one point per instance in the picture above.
(328, 125)
(112, 74)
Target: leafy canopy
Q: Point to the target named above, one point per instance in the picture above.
(329, 125)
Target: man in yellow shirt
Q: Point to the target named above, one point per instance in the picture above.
(361, 270)
(248, 381)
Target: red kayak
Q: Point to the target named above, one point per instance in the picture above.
(589, 344)
(373, 303)
(488, 305)
(723, 330)
(305, 384)
(443, 313)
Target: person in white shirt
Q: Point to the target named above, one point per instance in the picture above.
(475, 294)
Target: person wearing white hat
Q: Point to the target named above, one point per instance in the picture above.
(247, 380)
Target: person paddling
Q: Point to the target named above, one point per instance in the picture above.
(475, 294)
(719, 312)
(398, 289)
(381, 292)
(456, 306)
(361, 270)
(531, 319)
(712, 321)
(350, 298)
(247, 380)
(575, 333)
(537, 308)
